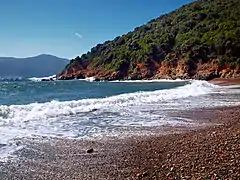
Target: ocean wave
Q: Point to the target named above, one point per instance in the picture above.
(93, 79)
(53, 109)
(11, 79)
(152, 80)
(48, 78)
(89, 79)
(110, 116)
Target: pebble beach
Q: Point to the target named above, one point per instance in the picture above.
(211, 151)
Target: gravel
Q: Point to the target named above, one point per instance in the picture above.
(212, 152)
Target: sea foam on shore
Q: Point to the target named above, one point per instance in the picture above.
(110, 116)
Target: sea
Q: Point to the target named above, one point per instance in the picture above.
(84, 109)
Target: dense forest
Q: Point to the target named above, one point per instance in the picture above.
(200, 40)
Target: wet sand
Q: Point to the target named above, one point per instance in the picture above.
(226, 82)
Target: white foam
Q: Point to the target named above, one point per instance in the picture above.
(37, 79)
(152, 80)
(36, 111)
(89, 117)
(90, 79)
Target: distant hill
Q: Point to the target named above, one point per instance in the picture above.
(38, 66)
(200, 40)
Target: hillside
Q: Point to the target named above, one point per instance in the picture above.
(42, 65)
(200, 40)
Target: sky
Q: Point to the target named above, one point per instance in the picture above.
(68, 28)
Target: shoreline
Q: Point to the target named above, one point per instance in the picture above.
(225, 82)
(205, 153)
(208, 151)
(217, 81)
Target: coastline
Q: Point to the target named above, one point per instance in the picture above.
(225, 82)
(211, 151)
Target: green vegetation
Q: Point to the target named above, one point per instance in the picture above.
(203, 30)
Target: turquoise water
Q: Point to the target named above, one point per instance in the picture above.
(81, 109)
(26, 92)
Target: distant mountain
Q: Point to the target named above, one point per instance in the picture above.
(200, 40)
(38, 66)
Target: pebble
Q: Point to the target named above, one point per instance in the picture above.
(90, 151)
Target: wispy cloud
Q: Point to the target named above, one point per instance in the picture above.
(78, 35)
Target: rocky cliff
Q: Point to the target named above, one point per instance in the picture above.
(200, 40)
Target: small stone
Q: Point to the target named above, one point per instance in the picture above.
(139, 175)
(90, 150)
(144, 174)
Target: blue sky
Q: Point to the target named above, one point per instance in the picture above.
(67, 28)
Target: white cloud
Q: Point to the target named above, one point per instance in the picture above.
(78, 35)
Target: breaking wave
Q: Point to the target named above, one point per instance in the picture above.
(56, 109)
(48, 78)
(96, 117)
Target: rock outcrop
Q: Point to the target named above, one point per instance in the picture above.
(164, 70)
